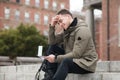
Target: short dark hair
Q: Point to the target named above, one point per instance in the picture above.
(64, 11)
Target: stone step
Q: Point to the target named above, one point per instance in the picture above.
(108, 66)
(104, 66)
(91, 76)
(94, 76)
(20, 68)
(19, 76)
(106, 70)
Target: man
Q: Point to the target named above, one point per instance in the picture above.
(78, 54)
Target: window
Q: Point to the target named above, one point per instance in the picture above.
(36, 18)
(62, 5)
(17, 14)
(45, 20)
(37, 3)
(18, 1)
(6, 26)
(54, 6)
(46, 4)
(7, 13)
(27, 17)
(27, 2)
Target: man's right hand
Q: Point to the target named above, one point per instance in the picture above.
(54, 20)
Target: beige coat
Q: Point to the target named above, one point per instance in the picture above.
(78, 44)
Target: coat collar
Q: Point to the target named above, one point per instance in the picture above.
(71, 27)
(75, 24)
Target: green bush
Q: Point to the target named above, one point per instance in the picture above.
(22, 41)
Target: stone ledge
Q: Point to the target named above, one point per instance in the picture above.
(7, 69)
(114, 66)
(94, 76)
(108, 66)
(106, 70)
(2, 76)
(102, 66)
(91, 76)
(28, 68)
(111, 76)
(19, 76)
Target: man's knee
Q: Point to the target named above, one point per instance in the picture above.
(67, 61)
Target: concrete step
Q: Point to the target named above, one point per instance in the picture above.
(19, 76)
(20, 68)
(103, 66)
(94, 76)
(91, 76)
(106, 70)
(108, 66)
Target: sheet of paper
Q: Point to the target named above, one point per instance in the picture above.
(40, 49)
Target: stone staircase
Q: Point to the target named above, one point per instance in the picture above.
(106, 70)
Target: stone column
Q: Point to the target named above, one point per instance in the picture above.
(90, 20)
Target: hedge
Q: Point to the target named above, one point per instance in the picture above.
(21, 41)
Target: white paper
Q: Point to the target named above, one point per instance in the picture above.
(40, 49)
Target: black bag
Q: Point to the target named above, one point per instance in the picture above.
(42, 67)
(57, 50)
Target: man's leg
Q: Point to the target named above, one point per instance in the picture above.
(68, 66)
(52, 67)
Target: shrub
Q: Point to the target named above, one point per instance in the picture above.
(22, 41)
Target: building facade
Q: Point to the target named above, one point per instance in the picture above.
(106, 31)
(35, 12)
(111, 28)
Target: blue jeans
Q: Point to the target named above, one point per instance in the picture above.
(66, 66)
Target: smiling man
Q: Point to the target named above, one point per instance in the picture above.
(77, 54)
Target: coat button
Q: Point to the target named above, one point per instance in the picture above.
(79, 38)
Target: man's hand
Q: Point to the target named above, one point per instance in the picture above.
(54, 20)
(50, 58)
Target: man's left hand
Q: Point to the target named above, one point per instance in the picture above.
(50, 58)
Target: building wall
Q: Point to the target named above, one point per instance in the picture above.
(98, 37)
(114, 26)
(104, 41)
(107, 32)
(114, 49)
(32, 9)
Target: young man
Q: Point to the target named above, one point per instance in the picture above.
(78, 54)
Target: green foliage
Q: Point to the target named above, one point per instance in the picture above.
(22, 41)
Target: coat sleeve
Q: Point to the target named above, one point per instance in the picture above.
(53, 39)
(81, 40)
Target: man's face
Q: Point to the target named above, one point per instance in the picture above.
(64, 21)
